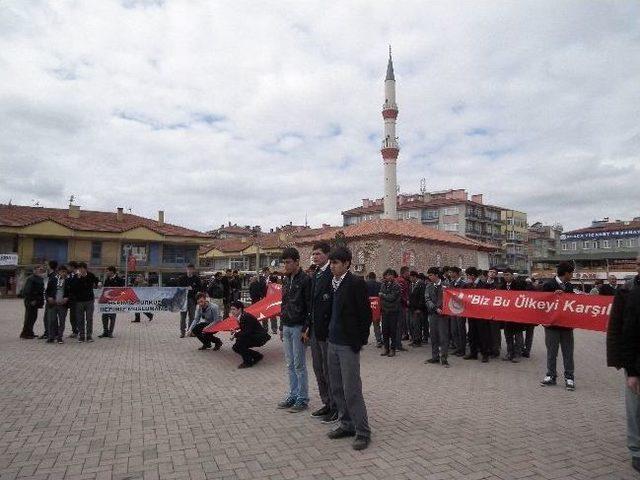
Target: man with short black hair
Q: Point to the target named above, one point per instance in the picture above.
(458, 324)
(33, 298)
(52, 272)
(403, 321)
(438, 323)
(390, 311)
(348, 333)
(494, 282)
(416, 308)
(562, 337)
(250, 334)
(73, 273)
(319, 317)
(513, 331)
(82, 291)
(57, 294)
(112, 279)
(373, 290)
(192, 281)
(294, 322)
(479, 329)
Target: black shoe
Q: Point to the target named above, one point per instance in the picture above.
(50, 340)
(340, 433)
(385, 353)
(321, 412)
(360, 442)
(257, 358)
(444, 363)
(525, 354)
(405, 338)
(42, 337)
(416, 344)
(548, 381)
(73, 335)
(104, 335)
(379, 345)
(432, 360)
(204, 347)
(80, 339)
(182, 335)
(135, 321)
(217, 346)
(401, 349)
(245, 365)
(470, 357)
(109, 335)
(60, 341)
(330, 417)
(635, 463)
(485, 359)
(392, 353)
(89, 339)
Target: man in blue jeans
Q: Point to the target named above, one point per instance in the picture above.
(294, 322)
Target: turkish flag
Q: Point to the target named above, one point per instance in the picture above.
(265, 309)
(118, 294)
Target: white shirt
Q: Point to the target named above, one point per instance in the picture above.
(324, 267)
(335, 282)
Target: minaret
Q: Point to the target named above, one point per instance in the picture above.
(390, 147)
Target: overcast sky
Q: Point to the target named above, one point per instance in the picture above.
(261, 112)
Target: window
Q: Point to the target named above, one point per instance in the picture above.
(574, 245)
(179, 254)
(451, 211)
(451, 227)
(511, 235)
(429, 214)
(605, 244)
(630, 242)
(619, 243)
(595, 245)
(96, 253)
(45, 249)
(586, 245)
(565, 246)
(509, 221)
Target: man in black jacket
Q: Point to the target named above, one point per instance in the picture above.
(57, 296)
(623, 351)
(294, 321)
(192, 280)
(319, 317)
(458, 324)
(513, 331)
(251, 334)
(559, 336)
(52, 272)
(438, 323)
(373, 290)
(82, 287)
(479, 329)
(112, 279)
(416, 308)
(33, 297)
(348, 332)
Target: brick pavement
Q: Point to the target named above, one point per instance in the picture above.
(148, 405)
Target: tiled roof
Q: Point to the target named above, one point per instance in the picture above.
(411, 204)
(22, 216)
(608, 227)
(401, 229)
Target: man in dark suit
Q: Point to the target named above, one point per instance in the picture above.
(52, 272)
(57, 295)
(513, 331)
(562, 337)
(112, 279)
(479, 329)
(251, 334)
(318, 331)
(494, 282)
(611, 287)
(348, 332)
(33, 296)
(191, 280)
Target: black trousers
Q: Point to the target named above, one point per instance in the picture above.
(108, 323)
(205, 338)
(243, 348)
(496, 337)
(136, 316)
(528, 338)
(30, 317)
(513, 335)
(390, 329)
(72, 318)
(479, 337)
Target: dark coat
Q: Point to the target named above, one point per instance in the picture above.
(433, 297)
(607, 289)
(416, 296)
(33, 291)
(82, 287)
(354, 311)
(194, 282)
(251, 331)
(115, 281)
(390, 297)
(623, 331)
(373, 287)
(52, 288)
(321, 302)
(296, 298)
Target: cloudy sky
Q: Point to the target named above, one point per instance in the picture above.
(264, 112)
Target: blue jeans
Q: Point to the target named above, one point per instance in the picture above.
(295, 356)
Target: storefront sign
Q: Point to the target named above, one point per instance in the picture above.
(8, 259)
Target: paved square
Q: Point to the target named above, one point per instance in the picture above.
(148, 405)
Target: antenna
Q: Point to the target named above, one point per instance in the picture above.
(71, 199)
(423, 186)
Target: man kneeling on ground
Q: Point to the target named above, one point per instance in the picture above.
(207, 314)
(251, 334)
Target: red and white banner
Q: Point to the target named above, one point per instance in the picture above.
(375, 308)
(590, 312)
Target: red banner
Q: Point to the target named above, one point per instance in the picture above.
(375, 308)
(590, 312)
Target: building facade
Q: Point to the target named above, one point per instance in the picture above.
(514, 237)
(35, 235)
(543, 241)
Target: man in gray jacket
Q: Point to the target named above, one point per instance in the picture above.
(438, 323)
(206, 314)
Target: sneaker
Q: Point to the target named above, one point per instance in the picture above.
(485, 359)
(360, 442)
(445, 363)
(548, 381)
(182, 335)
(287, 403)
(340, 433)
(321, 412)
(242, 365)
(298, 407)
(331, 417)
(60, 340)
(401, 349)
(570, 384)
(432, 360)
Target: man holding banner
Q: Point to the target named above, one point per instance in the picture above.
(562, 337)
